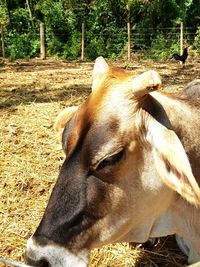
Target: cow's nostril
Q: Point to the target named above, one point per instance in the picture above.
(44, 263)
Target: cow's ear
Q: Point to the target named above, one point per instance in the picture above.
(99, 71)
(171, 161)
(63, 117)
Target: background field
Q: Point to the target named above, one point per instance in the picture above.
(31, 95)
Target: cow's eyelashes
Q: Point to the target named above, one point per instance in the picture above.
(111, 160)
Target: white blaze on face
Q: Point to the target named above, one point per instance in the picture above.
(55, 255)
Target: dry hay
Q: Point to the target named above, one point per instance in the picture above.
(30, 157)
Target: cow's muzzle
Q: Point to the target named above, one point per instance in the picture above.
(53, 255)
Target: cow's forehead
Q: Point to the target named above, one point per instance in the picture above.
(104, 117)
(113, 100)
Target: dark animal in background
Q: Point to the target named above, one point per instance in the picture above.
(192, 90)
(183, 57)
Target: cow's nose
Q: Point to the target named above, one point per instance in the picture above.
(33, 256)
(40, 263)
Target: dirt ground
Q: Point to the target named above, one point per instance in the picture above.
(31, 95)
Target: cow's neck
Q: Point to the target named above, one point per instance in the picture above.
(182, 218)
(184, 117)
(183, 114)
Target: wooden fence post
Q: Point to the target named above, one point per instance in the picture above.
(42, 41)
(129, 41)
(181, 38)
(83, 42)
(129, 30)
(3, 42)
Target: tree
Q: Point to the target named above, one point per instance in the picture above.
(4, 19)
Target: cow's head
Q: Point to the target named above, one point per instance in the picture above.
(122, 160)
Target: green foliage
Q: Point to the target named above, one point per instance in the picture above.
(4, 18)
(154, 26)
(53, 14)
(159, 47)
(197, 40)
(20, 20)
(162, 47)
(72, 49)
(21, 45)
(107, 31)
(96, 47)
(34, 47)
(54, 45)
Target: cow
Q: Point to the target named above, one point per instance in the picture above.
(131, 171)
(192, 90)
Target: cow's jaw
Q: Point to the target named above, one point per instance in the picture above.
(54, 255)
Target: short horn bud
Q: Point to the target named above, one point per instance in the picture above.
(145, 83)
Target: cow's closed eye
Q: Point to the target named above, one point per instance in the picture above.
(111, 160)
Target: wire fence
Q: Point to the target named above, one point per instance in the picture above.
(125, 42)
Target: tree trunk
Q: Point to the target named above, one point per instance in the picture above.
(2, 42)
(30, 12)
